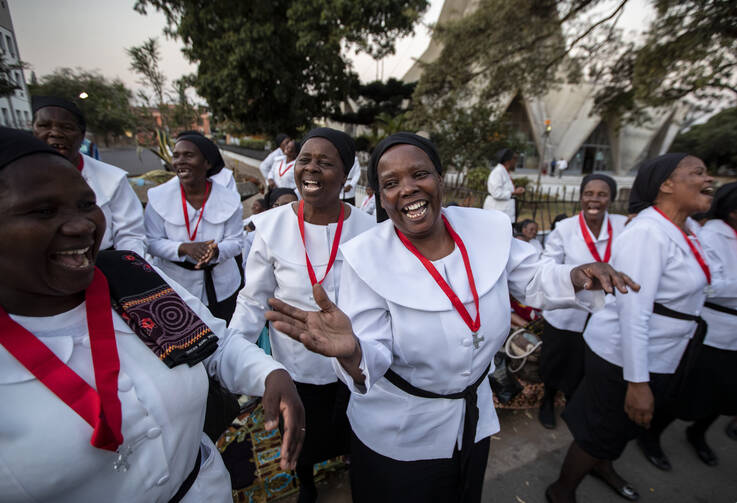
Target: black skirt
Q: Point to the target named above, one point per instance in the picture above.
(711, 386)
(561, 359)
(327, 429)
(376, 478)
(595, 415)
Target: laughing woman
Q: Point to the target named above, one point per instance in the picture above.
(296, 245)
(103, 404)
(426, 303)
(634, 345)
(194, 227)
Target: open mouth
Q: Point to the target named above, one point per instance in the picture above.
(708, 191)
(58, 146)
(75, 260)
(309, 186)
(416, 210)
(183, 172)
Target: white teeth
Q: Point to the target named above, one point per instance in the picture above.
(415, 206)
(414, 215)
(310, 182)
(74, 252)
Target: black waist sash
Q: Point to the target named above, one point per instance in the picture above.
(187, 483)
(688, 359)
(470, 420)
(212, 297)
(721, 309)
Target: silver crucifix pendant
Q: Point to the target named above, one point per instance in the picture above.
(121, 460)
(477, 340)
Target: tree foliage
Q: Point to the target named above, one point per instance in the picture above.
(278, 65)
(8, 85)
(107, 109)
(715, 141)
(145, 62)
(388, 99)
(531, 46)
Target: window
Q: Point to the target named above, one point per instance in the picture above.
(19, 81)
(9, 41)
(27, 116)
(20, 117)
(6, 117)
(2, 45)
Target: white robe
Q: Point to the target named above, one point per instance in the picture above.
(369, 204)
(352, 179)
(122, 208)
(403, 320)
(720, 241)
(265, 165)
(45, 453)
(566, 245)
(222, 222)
(282, 172)
(500, 187)
(654, 253)
(276, 267)
(225, 178)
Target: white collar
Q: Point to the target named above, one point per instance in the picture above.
(279, 229)
(166, 199)
(670, 229)
(103, 178)
(391, 270)
(603, 232)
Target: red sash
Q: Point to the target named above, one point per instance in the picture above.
(590, 242)
(101, 407)
(186, 213)
(334, 249)
(473, 325)
(289, 166)
(694, 250)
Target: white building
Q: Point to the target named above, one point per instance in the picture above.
(15, 110)
(588, 142)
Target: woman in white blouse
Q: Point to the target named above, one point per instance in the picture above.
(281, 174)
(194, 227)
(426, 303)
(710, 389)
(634, 345)
(576, 240)
(500, 187)
(295, 246)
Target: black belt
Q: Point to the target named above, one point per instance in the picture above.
(470, 420)
(212, 297)
(721, 309)
(187, 484)
(690, 355)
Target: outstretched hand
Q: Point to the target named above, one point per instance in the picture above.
(327, 331)
(601, 276)
(281, 399)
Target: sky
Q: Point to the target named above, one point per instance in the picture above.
(93, 34)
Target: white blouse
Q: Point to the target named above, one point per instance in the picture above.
(403, 320)
(117, 200)
(166, 231)
(276, 267)
(282, 172)
(566, 245)
(720, 241)
(654, 253)
(45, 454)
(352, 179)
(500, 187)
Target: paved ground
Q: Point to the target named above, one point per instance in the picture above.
(525, 458)
(128, 158)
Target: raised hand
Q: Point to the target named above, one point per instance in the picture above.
(601, 276)
(327, 332)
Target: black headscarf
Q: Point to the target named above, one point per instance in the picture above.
(15, 144)
(604, 178)
(402, 138)
(280, 139)
(342, 142)
(209, 151)
(650, 176)
(724, 202)
(275, 194)
(504, 155)
(39, 102)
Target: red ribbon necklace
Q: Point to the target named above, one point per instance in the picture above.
(694, 250)
(473, 325)
(289, 166)
(80, 163)
(333, 250)
(590, 242)
(100, 408)
(186, 213)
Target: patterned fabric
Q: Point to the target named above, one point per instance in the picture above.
(251, 455)
(154, 311)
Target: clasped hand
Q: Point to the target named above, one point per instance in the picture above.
(201, 251)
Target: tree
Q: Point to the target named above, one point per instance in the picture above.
(145, 62)
(531, 46)
(713, 142)
(8, 84)
(279, 65)
(107, 109)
